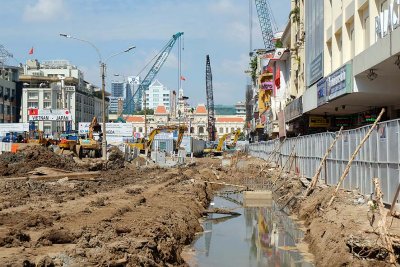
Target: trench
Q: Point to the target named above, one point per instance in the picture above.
(261, 236)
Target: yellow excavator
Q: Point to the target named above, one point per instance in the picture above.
(216, 149)
(144, 144)
(235, 139)
(89, 146)
(37, 137)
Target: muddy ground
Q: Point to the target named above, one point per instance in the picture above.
(137, 215)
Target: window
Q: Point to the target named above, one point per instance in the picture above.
(221, 130)
(156, 95)
(140, 129)
(8, 108)
(33, 105)
(33, 95)
(155, 91)
(46, 104)
(226, 130)
(134, 129)
(165, 95)
(201, 130)
(47, 96)
(232, 130)
(7, 91)
(1, 108)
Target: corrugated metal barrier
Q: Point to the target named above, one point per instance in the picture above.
(379, 157)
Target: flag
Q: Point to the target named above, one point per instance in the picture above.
(31, 51)
(278, 77)
(183, 78)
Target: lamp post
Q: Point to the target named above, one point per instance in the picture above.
(103, 85)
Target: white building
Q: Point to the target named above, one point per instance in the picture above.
(157, 94)
(43, 84)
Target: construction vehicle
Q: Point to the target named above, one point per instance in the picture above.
(70, 142)
(36, 137)
(145, 144)
(216, 149)
(235, 139)
(89, 146)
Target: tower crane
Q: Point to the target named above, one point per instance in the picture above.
(210, 101)
(267, 23)
(162, 57)
(4, 55)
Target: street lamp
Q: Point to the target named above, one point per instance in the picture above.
(103, 84)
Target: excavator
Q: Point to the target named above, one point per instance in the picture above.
(235, 139)
(142, 144)
(216, 149)
(36, 137)
(90, 146)
(69, 141)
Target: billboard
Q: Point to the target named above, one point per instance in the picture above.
(116, 129)
(314, 40)
(321, 92)
(36, 114)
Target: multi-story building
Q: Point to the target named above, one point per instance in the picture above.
(117, 97)
(157, 94)
(240, 108)
(10, 94)
(352, 50)
(196, 122)
(57, 84)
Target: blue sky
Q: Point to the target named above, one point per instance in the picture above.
(215, 27)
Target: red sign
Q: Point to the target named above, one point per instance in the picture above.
(33, 111)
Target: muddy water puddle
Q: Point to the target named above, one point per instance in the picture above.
(260, 236)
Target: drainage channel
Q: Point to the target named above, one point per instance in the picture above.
(261, 236)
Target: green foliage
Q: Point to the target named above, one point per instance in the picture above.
(149, 111)
(278, 44)
(295, 14)
(253, 67)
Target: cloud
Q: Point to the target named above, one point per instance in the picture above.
(223, 7)
(235, 66)
(45, 10)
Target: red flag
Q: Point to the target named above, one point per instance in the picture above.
(31, 51)
(278, 77)
(183, 78)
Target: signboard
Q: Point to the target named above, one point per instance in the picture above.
(116, 129)
(344, 121)
(13, 128)
(339, 82)
(264, 100)
(267, 86)
(318, 122)
(36, 114)
(321, 92)
(50, 117)
(313, 40)
(294, 109)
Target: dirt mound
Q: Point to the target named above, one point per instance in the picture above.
(33, 157)
(116, 159)
(56, 236)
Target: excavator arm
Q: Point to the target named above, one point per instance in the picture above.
(221, 143)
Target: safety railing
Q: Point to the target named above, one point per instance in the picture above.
(379, 157)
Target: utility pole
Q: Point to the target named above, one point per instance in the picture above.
(103, 107)
(145, 115)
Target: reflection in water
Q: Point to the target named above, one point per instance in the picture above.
(260, 237)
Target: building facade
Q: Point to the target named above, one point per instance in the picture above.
(57, 84)
(10, 94)
(157, 94)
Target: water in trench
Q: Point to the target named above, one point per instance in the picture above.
(260, 236)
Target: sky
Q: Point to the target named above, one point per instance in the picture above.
(219, 28)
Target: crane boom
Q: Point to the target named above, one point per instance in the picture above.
(210, 101)
(265, 19)
(163, 55)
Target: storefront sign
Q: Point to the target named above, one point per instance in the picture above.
(318, 122)
(340, 82)
(294, 109)
(344, 121)
(267, 86)
(321, 92)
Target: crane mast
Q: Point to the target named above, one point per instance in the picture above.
(4, 55)
(144, 85)
(210, 101)
(266, 23)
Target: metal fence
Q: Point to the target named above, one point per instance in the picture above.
(379, 157)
